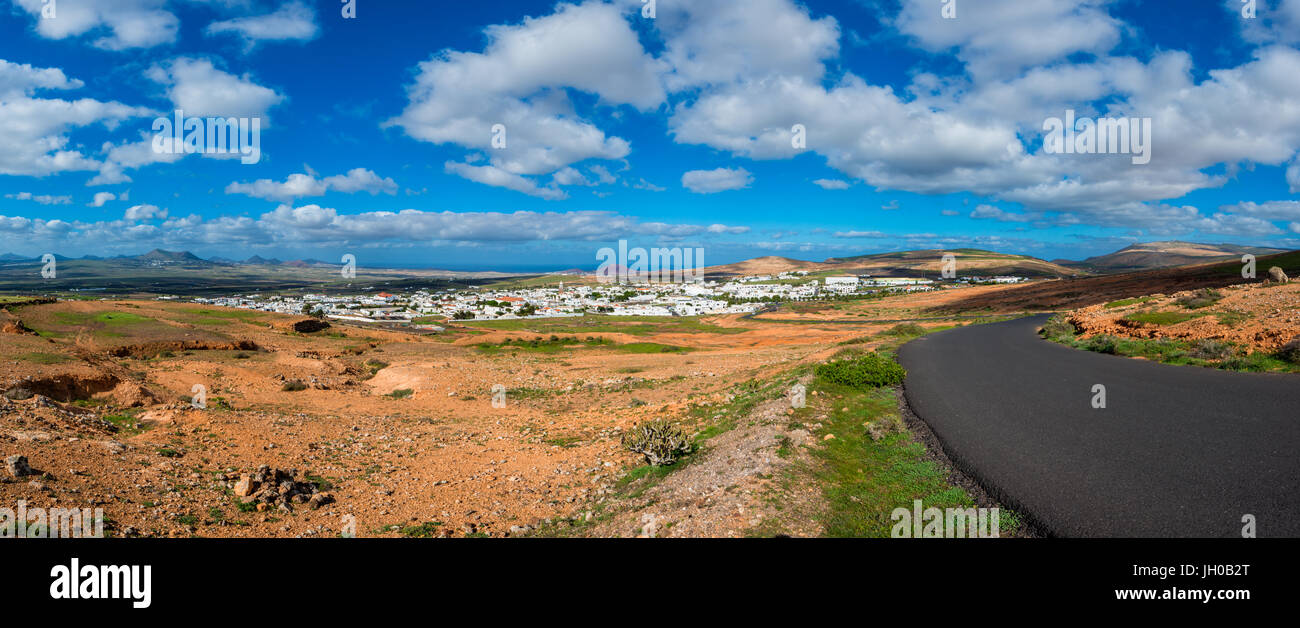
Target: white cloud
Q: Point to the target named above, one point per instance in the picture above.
(1000, 37)
(1293, 176)
(43, 199)
(313, 224)
(101, 198)
(714, 181)
(124, 24)
(294, 21)
(307, 185)
(494, 176)
(832, 184)
(519, 81)
(991, 212)
(139, 213)
(1275, 21)
(199, 88)
(714, 43)
(34, 131)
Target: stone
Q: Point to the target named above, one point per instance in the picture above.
(18, 393)
(1278, 275)
(18, 467)
(246, 486)
(319, 499)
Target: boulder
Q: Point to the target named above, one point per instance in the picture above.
(1278, 275)
(246, 486)
(18, 467)
(310, 325)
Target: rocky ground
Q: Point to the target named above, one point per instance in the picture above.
(374, 433)
(1257, 316)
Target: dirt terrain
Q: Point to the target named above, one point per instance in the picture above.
(357, 431)
(1259, 317)
(1069, 294)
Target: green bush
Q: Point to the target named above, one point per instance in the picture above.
(869, 370)
(1209, 349)
(294, 386)
(659, 441)
(1102, 344)
(1201, 298)
(904, 330)
(1291, 352)
(1059, 327)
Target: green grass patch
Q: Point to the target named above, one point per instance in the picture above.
(867, 370)
(44, 358)
(1124, 302)
(400, 393)
(650, 347)
(1161, 318)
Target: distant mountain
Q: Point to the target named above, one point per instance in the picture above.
(10, 257)
(159, 255)
(262, 261)
(1149, 255)
(769, 265)
(923, 263)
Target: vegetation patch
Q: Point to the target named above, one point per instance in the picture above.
(1201, 298)
(661, 442)
(867, 370)
(1161, 318)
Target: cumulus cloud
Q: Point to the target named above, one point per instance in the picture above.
(141, 213)
(314, 224)
(34, 130)
(101, 198)
(294, 21)
(301, 185)
(714, 181)
(200, 89)
(519, 82)
(494, 176)
(117, 24)
(1000, 37)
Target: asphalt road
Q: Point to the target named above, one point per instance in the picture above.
(1178, 451)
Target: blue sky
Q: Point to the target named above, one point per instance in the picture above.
(922, 130)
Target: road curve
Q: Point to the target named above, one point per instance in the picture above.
(1178, 451)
